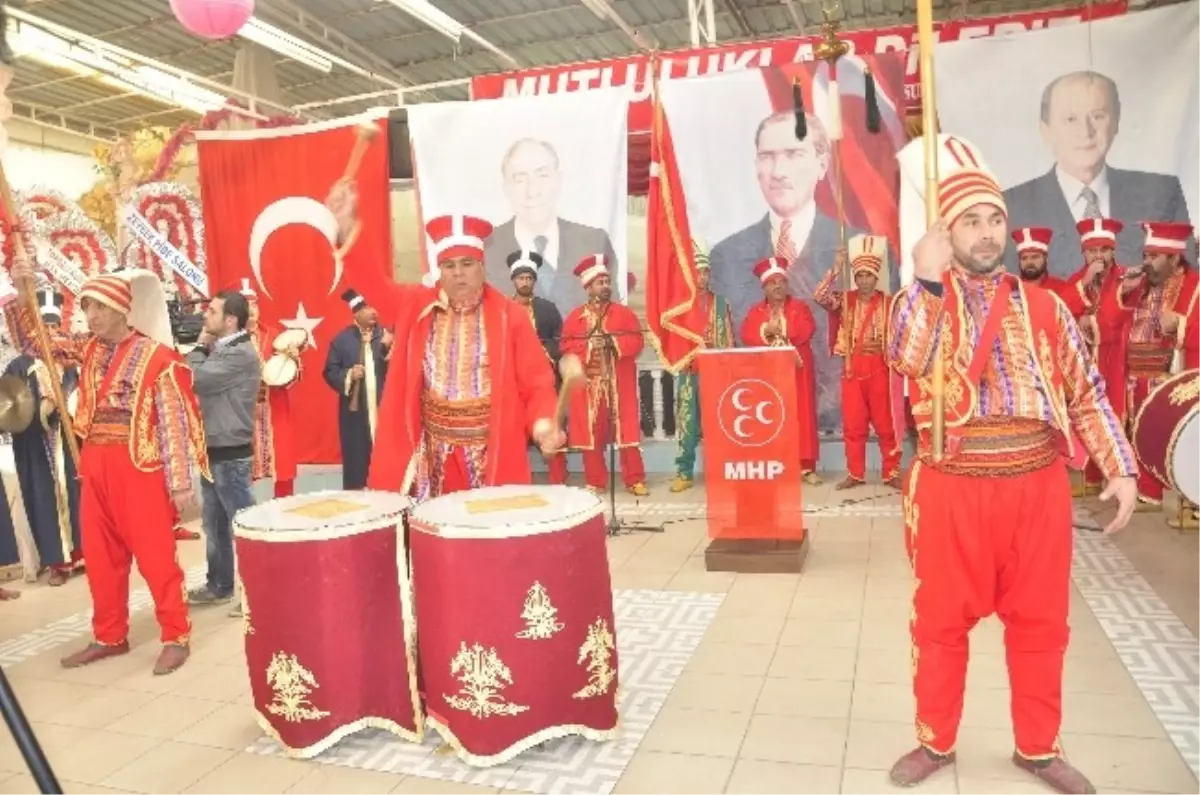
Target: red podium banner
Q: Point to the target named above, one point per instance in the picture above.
(751, 443)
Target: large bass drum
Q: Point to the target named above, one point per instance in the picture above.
(1166, 433)
(515, 616)
(328, 618)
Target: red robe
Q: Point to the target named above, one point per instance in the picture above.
(274, 448)
(1066, 289)
(622, 323)
(798, 327)
(522, 388)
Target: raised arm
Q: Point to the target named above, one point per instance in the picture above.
(916, 326)
(825, 295)
(1090, 412)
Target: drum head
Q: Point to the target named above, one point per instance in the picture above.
(506, 511)
(1185, 458)
(320, 515)
(279, 370)
(290, 337)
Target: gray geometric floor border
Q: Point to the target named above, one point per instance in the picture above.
(1158, 650)
(698, 510)
(657, 633)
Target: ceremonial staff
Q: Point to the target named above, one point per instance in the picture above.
(829, 50)
(929, 133)
(364, 135)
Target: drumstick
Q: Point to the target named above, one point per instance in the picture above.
(572, 372)
(365, 133)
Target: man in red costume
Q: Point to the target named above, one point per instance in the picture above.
(1033, 246)
(1162, 292)
(143, 447)
(274, 452)
(779, 321)
(462, 397)
(989, 525)
(866, 380)
(607, 339)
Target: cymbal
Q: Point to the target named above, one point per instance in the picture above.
(16, 404)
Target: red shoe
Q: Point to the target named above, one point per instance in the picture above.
(94, 652)
(183, 534)
(1056, 773)
(918, 765)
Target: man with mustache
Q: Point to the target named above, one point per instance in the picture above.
(860, 319)
(989, 524)
(607, 338)
(523, 266)
(1101, 286)
(1033, 243)
(781, 321)
(1160, 295)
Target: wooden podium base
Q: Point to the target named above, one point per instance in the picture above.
(756, 555)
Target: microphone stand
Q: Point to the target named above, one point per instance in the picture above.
(616, 526)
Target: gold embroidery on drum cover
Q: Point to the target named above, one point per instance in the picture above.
(247, 627)
(1182, 393)
(292, 683)
(597, 649)
(541, 617)
(483, 675)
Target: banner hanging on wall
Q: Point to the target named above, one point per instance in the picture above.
(632, 71)
(549, 173)
(1080, 120)
(744, 175)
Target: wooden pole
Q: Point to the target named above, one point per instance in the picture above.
(929, 135)
(29, 296)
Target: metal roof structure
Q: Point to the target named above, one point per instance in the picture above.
(391, 49)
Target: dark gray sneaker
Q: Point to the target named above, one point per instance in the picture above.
(203, 596)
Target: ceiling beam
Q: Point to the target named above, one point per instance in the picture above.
(53, 119)
(739, 17)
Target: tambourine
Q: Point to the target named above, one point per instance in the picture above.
(281, 369)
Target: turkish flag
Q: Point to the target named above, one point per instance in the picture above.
(263, 194)
(672, 314)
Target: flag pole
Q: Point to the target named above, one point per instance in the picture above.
(929, 135)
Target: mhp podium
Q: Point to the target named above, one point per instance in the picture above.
(752, 474)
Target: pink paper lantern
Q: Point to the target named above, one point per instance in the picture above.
(213, 19)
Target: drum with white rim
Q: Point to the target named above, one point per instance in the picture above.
(1166, 433)
(330, 636)
(515, 615)
(281, 369)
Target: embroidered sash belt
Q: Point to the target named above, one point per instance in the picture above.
(1148, 361)
(462, 423)
(1001, 447)
(110, 426)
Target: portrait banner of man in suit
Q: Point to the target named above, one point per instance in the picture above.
(1089, 121)
(549, 172)
(758, 191)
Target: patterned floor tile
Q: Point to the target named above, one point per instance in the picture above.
(657, 633)
(1158, 650)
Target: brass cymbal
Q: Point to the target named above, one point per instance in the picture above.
(16, 404)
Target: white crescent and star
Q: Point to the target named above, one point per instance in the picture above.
(303, 321)
(284, 212)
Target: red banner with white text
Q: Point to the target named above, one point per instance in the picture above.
(756, 54)
(266, 221)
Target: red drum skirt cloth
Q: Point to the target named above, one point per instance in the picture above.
(514, 603)
(1166, 433)
(328, 618)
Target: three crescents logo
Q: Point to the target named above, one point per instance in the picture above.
(751, 412)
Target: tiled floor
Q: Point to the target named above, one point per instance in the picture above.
(799, 685)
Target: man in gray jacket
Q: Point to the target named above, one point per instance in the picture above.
(227, 375)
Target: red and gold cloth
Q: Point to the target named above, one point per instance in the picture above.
(797, 329)
(274, 446)
(583, 414)
(522, 386)
(517, 632)
(328, 619)
(1035, 368)
(867, 382)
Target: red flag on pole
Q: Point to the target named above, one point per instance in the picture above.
(263, 194)
(676, 324)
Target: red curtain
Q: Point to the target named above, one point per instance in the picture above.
(263, 193)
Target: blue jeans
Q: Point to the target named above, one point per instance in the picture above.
(228, 493)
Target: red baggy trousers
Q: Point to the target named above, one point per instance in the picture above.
(866, 403)
(983, 545)
(595, 466)
(127, 515)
